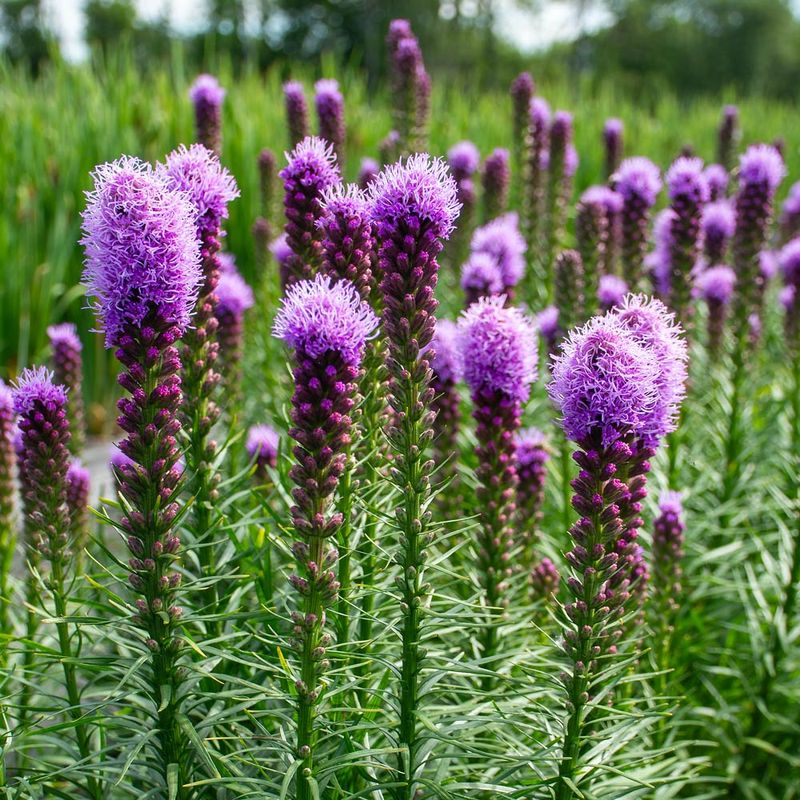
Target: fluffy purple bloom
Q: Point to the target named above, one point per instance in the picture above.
(571, 161)
(501, 239)
(34, 390)
(368, 172)
(496, 181)
(197, 173)
(234, 296)
(717, 179)
(638, 179)
(715, 284)
(762, 165)
(531, 447)
(330, 113)
(612, 140)
(419, 188)
(685, 179)
(317, 316)
(207, 95)
(609, 199)
(548, 326)
(498, 348)
(718, 224)
(789, 261)
(206, 89)
(280, 250)
(787, 297)
(464, 160)
(139, 235)
(296, 111)
(606, 384)
(446, 361)
(611, 291)
(480, 277)
(262, 446)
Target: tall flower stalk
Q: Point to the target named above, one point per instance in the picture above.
(501, 240)
(66, 349)
(262, 227)
(499, 353)
(715, 286)
(613, 131)
(571, 299)
(234, 299)
(464, 160)
(534, 195)
(531, 455)
(207, 95)
(326, 326)
(329, 103)
(728, 136)
(592, 234)
(41, 407)
(410, 84)
(143, 272)
(522, 90)
(717, 179)
(296, 112)
(414, 208)
(496, 176)
(7, 491)
(717, 225)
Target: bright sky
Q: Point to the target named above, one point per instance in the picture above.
(555, 22)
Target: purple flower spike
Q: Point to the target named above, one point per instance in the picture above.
(718, 224)
(717, 179)
(547, 324)
(330, 114)
(410, 86)
(611, 291)
(715, 284)
(728, 137)
(207, 95)
(668, 538)
(496, 182)
(570, 285)
(348, 243)
(789, 261)
(605, 384)
(522, 90)
(761, 169)
(311, 170)
(544, 580)
(368, 172)
(78, 487)
(534, 194)
(500, 238)
(7, 461)
(139, 233)
(612, 140)
(262, 448)
(66, 348)
(283, 255)
(531, 455)
(234, 298)
(296, 112)
(464, 160)
(562, 164)
(318, 317)
(638, 181)
(498, 347)
(790, 214)
(480, 277)
(597, 227)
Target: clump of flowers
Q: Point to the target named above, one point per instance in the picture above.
(206, 96)
(66, 348)
(480, 277)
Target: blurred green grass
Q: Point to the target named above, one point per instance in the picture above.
(55, 129)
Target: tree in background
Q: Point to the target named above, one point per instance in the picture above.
(25, 38)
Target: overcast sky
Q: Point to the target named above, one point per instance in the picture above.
(556, 21)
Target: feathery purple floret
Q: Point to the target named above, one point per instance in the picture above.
(605, 384)
(762, 165)
(206, 89)
(716, 284)
(280, 250)
(446, 361)
(501, 239)
(464, 160)
(611, 291)
(35, 388)
(262, 445)
(139, 235)
(65, 336)
(197, 172)
(498, 347)
(609, 199)
(638, 179)
(316, 317)
(717, 179)
(685, 179)
(718, 224)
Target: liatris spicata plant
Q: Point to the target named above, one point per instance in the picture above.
(347, 240)
(500, 238)
(496, 177)
(717, 179)
(761, 170)
(326, 326)
(330, 115)
(311, 170)
(570, 298)
(718, 223)
(41, 407)
(414, 208)
(284, 257)
(668, 529)
(688, 193)
(499, 352)
(533, 201)
(597, 227)
(234, 298)
(66, 350)
(262, 448)
(7, 472)
(549, 327)
(207, 95)
(659, 261)
(143, 271)
(78, 487)
(639, 182)
(522, 90)
(613, 145)
(790, 271)
(531, 455)
(296, 112)
(728, 136)
(611, 292)
(389, 148)
(789, 221)
(464, 160)
(480, 277)
(262, 229)
(612, 394)
(367, 172)
(544, 580)
(715, 286)
(410, 86)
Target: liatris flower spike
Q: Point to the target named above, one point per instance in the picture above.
(549, 327)
(544, 580)
(502, 240)
(668, 529)
(639, 182)
(389, 148)
(368, 172)
(464, 160)
(207, 95)
(296, 112)
(790, 296)
(611, 292)
(570, 299)
(262, 228)
(499, 351)
(728, 137)
(262, 448)
(480, 277)
(414, 207)
(66, 348)
(7, 490)
(531, 455)
(78, 487)
(597, 227)
(612, 141)
(330, 115)
(496, 183)
(143, 271)
(522, 91)
(326, 326)
(562, 163)
(234, 298)
(410, 85)
(688, 193)
(789, 221)
(347, 240)
(311, 170)
(283, 255)
(717, 179)
(534, 192)
(761, 170)
(718, 223)
(715, 286)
